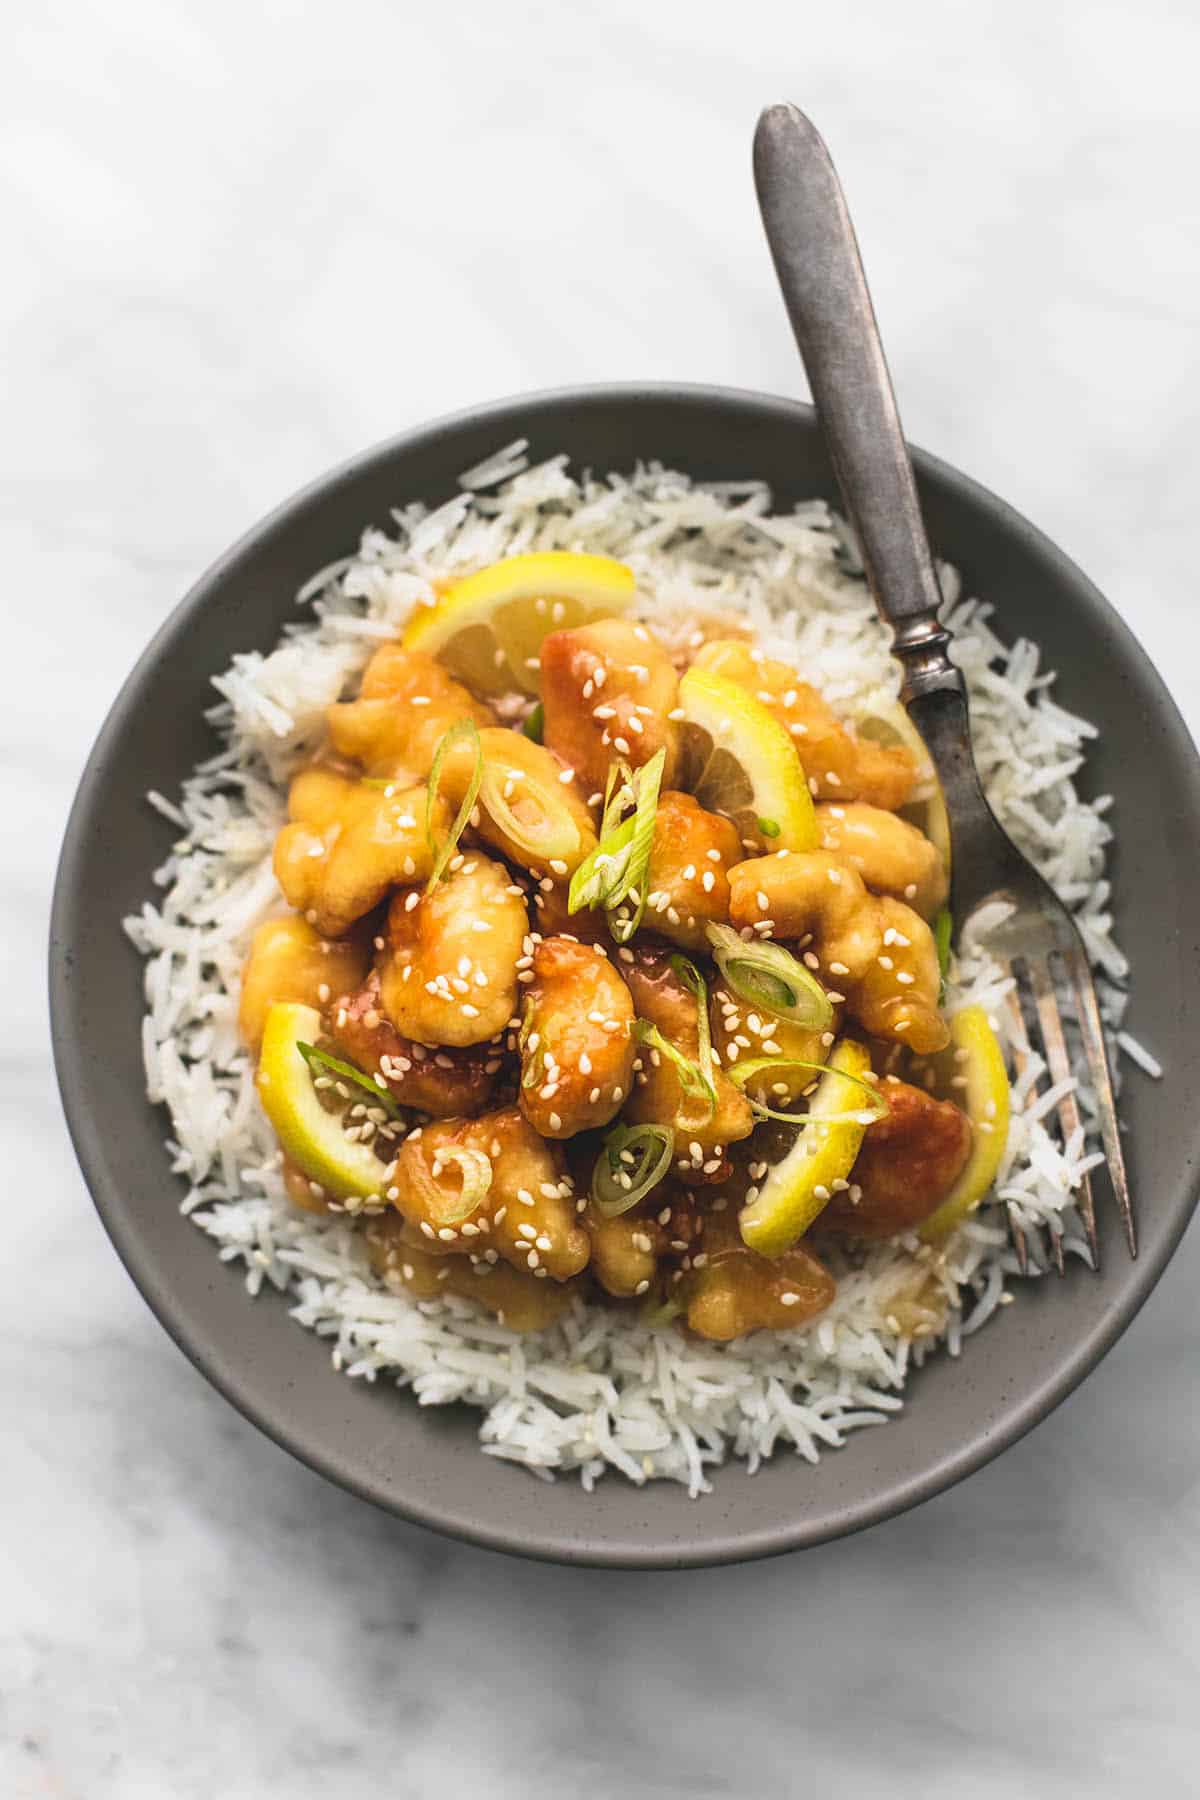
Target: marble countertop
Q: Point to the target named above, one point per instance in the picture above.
(246, 240)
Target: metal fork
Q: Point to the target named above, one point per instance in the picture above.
(820, 272)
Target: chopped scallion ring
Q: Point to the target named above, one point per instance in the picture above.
(476, 1182)
(321, 1059)
(768, 976)
(687, 972)
(634, 1159)
(692, 1078)
(617, 869)
(531, 814)
(464, 730)
(535, 725)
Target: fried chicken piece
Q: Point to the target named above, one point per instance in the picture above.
(892, 856)
(406, 704)
(907, 1165)
(513, 1298)
(527, 1216)
(687, 882)
(839, 766)
(879, 951)
(348, 843)
(658, 1097)
(577, 1044)
(447, 1082)
(608, 691)
(730, 1290)
(449, 973)
(290, 960)
(530, 806)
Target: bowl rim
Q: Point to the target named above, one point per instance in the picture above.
(88, 1138)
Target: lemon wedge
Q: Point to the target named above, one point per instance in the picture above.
(744, 764)
(796, 1190)
(976, 1056)
(887, 722)
(310, 1136)
(488, 628)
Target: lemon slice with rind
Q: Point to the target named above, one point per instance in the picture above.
(886, 722)
(795, 1191)
(743, 764)
(488, 628)
(313, 1138)
(977, 1058)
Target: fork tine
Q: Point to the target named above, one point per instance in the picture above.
(1059, 1065)
(1092, 1032)
(1020, 1055)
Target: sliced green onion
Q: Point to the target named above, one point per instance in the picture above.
(476, 1181)
(692, 1078)
(943, 931)
(550, 835)
(465, 731)
(619, 866)
(661, 1312)
(383, 782)
(321, 1059)
(770, 828)
(535, 725)
(770, 977)
(634, 1159)
(686, 971)
(742, 1073)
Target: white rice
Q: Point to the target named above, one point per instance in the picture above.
(596, 1392)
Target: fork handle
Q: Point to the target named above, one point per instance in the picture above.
(825, 291)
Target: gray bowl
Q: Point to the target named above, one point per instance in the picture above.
(423, 1463)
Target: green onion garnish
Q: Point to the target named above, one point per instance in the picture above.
(943, 931)
(770, 828)
(476, 1181)
(686, 972)
(661, 1312)
(544, 828)
(535, 725)
(617, 869)
(333, 1065)
(466, 731)
(692, 1078)
(768, 976)
(742, 1073)
(634, 1159)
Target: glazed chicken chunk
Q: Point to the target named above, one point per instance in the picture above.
(688, 882)
(527, 1216)
(514, 1298)
(730, 1290)
(748, 1033)
(906, 1166)
(577, 1044)
(289, 960)
(892, 856)
(445, 1082)
(879, 951)
(659, 1097)
(406, 704)
(348, 844)
(608, 691)
(449, 972)
(839, 765)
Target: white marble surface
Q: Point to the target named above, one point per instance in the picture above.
(245, 240)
